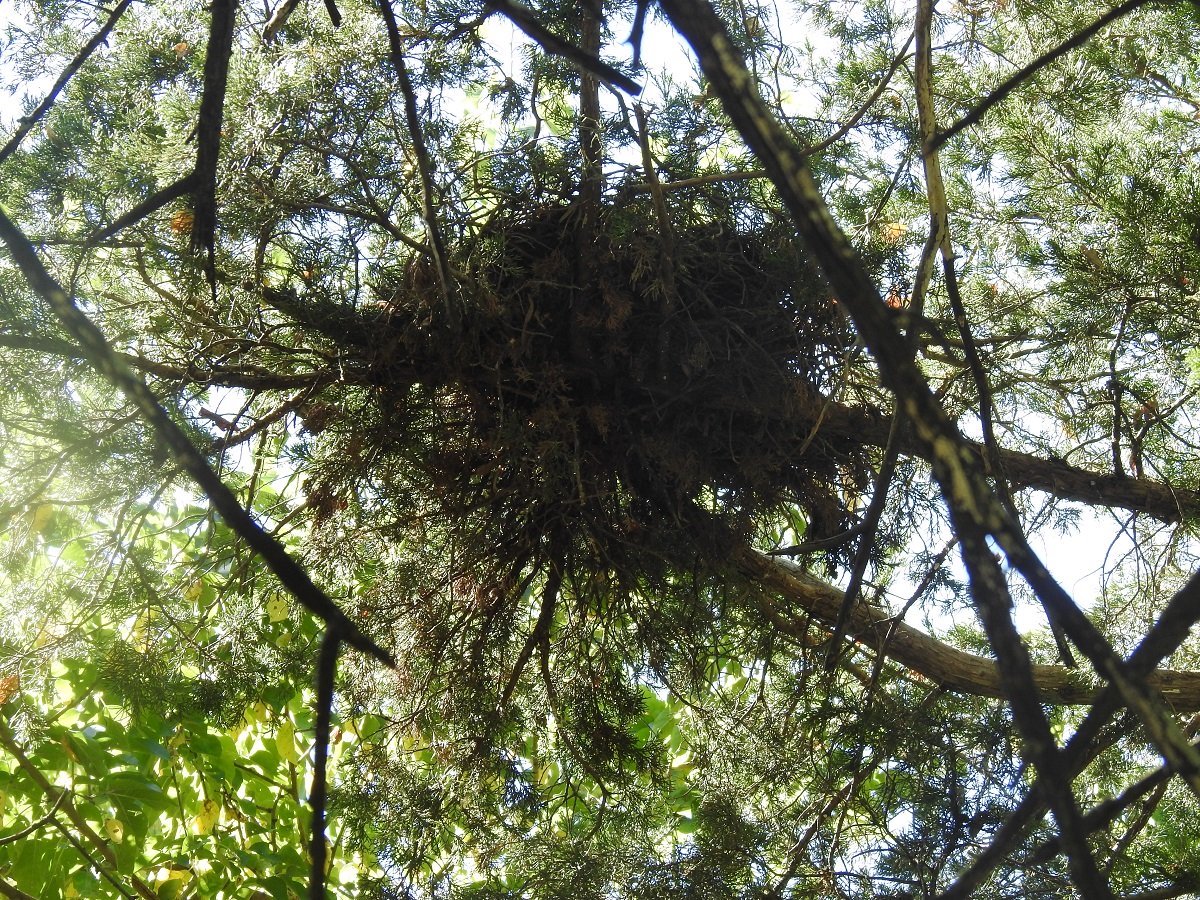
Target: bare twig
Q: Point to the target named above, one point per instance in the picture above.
(683, 183)
(939, 236)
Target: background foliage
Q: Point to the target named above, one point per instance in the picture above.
(523, 387)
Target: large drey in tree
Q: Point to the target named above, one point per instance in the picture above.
(658, 431)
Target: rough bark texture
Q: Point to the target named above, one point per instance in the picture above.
(807, 599)
(1164, 502)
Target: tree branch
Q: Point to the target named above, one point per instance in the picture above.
(28, 121)
(208, 131)
(795, 598)
(521, 16)
(96, 350)
(451, 302)
(1028, 71)
(976, 515)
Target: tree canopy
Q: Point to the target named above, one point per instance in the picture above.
(599, 449)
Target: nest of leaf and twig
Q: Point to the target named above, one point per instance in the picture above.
(611, 390)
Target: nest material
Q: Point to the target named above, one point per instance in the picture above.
(606, 386)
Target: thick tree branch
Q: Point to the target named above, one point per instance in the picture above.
(1164, 637)
(806, 598)
(318, 795)
(208, 130)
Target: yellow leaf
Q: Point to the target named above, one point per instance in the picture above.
(193, 592)
(285, 741)
(69, 891)
(10, 686)
(40, 517)
(277, 609)
(115, 830)
(891, 232)
(181, 221)
(205, 820)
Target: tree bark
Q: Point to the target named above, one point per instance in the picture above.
(793, 600)
(1057, 477)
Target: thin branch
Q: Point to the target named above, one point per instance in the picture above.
(29, 121)
(854, 119)
(637, 31)
(869, 528)
(521, 16)
(437, 246)
(102, 869)
(147, 207)
(1103, 814)
(96, 350)
(263, 422)
(35, 825)
(540, 632)
(1028, 71)
(326, 677)
(939, 236)
(683, 183)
